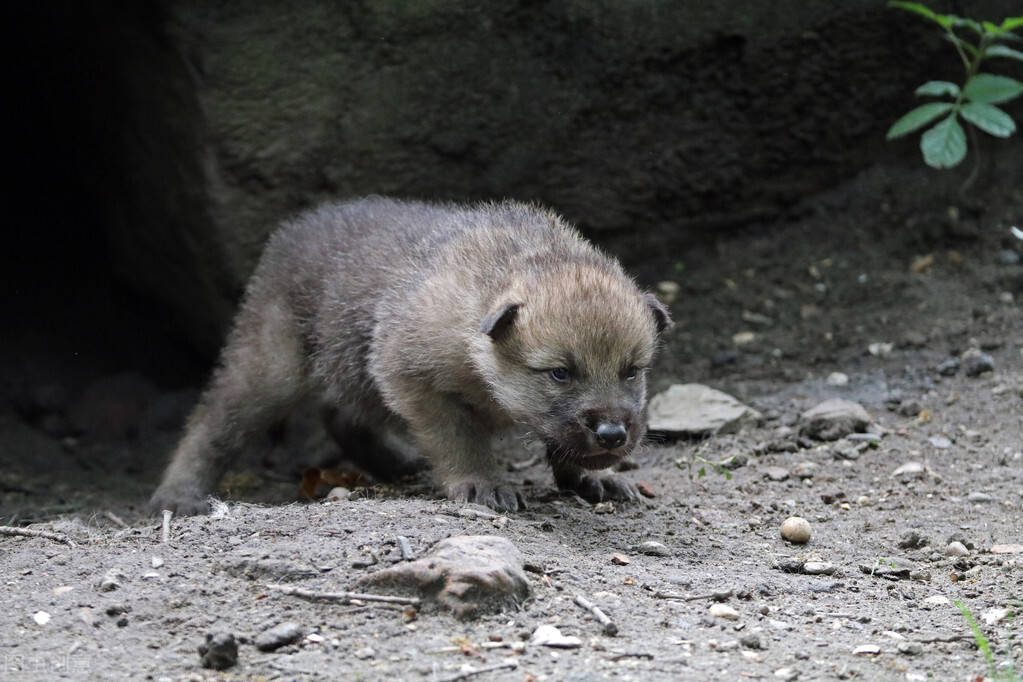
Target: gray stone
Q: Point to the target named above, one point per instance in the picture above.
(910, 648)
(698, 410)
(818, 568)
(976, 362)
(948, 367)
(776, 473)
(910, 471)
(278, 636)
(219, 651)
(549, 635)
(979, 498)
(652, 548)
(833, 419)
(940, 442)
(467, 574)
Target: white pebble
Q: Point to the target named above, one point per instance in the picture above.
(796, 529)
(956, 549)
(723, 611)
(41, 617)
(837, 379)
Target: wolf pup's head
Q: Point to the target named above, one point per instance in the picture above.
(566, 352)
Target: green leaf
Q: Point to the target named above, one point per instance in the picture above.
(702, 472)
(937, 89)
(989, 118)
(944, 145)
(991, 29)
(924, 11)
(959, 22)
(1011, 23)
(1003, 51)
(986, 87)
(917, 118)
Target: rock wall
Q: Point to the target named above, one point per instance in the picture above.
(651, 117)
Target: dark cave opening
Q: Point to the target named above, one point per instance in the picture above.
(69, 315)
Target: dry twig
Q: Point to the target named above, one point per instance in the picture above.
(343, 597)
(29, 533)
(610, 629)
(509, 665)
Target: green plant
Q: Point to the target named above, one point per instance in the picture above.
(944, 144)
(1007, 674)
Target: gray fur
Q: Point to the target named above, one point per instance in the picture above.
(439, 320)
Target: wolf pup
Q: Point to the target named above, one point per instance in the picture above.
(445, 322)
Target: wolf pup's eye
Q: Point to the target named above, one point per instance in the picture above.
(631, 373)
(560, 374)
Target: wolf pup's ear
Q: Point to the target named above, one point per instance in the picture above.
(497, 324)
(661, 316)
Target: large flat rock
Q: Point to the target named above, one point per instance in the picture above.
(698, 410)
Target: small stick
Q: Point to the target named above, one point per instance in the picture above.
(165, 532)
(344, 597)
(610, 629)
(632, 654)
(29, 533)
(510, 665)
(721, 595)
(115, 518)
(406, 548)
(944, 639)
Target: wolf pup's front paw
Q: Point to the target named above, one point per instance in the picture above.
(595, 489)
(498, 497)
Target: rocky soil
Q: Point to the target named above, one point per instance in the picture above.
(884, 293)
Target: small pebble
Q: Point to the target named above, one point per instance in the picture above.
(837, 379)
(979, 498)
(278, 636)
(910, 648)
(818, 568)
(867, 650)
(41, 617)
(338, 494)
(776, 473)
(909, 471)
(805, 470)
(364, 652)
(976, 362)
(219, 651)
(940, 442)
(938, 600)
(619, 559)
(956, 549)
(549, 635)
(752, 641)
(949, 367)
(796, 529)
(156, 562)
(786, 674)
(652, 548)
(723, 611)
(996, 615)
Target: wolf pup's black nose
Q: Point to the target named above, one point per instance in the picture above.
(611, 435)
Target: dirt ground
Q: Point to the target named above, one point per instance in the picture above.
(890, 257)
